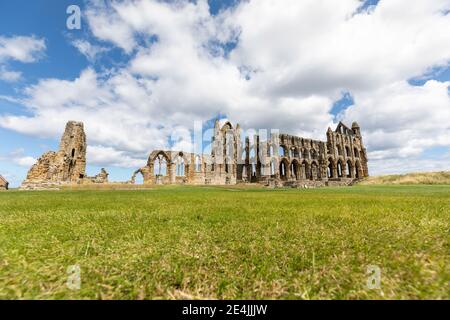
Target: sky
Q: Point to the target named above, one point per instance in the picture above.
(140, 73)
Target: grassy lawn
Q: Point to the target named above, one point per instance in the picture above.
(213, 242)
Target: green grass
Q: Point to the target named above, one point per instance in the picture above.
(226, 243)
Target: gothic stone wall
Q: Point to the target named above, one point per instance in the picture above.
(283, 160)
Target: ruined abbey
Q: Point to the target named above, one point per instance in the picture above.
(278, 160)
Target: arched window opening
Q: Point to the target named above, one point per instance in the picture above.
(339, 169)
(139, 178)
(271, 151)
(73, 153)
(348, 152)
(330, 170)
(282, 151)
(294, 169)
(349, 169)
(356, 152)
(272, 167)
(198, 164)
(180, 166)
(283, 169)
(160, 166)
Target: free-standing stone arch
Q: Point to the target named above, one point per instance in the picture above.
(136, 174)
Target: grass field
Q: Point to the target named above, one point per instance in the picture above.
(213, 242)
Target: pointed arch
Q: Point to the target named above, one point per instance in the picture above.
(349, 169)
(339, 169)
(330, 168)
(273, 164)
(348, 152)
(284, 169)
(198, 163)
(180, 166)
(160, 163)
(282, 150)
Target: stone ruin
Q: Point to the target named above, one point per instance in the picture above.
(280, 160)
(66, 166)
(3, 183)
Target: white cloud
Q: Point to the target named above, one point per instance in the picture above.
(292, 61)
(87, 49)
(402, 120)
(18, 157)
(104, 156)
(9, 76)
(21, 48)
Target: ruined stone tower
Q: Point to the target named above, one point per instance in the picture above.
(68, 165)
(73, 150)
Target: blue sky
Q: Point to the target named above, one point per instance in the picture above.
(47, 19)
(323, 84)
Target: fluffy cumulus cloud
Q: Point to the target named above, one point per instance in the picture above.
(265, 64)
(25, 49)
(21, 48)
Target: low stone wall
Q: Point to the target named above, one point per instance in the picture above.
(42, 185)
(276, 183)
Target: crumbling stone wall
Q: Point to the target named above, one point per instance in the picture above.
(3, 183)
(101, 177)
(67, 165)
